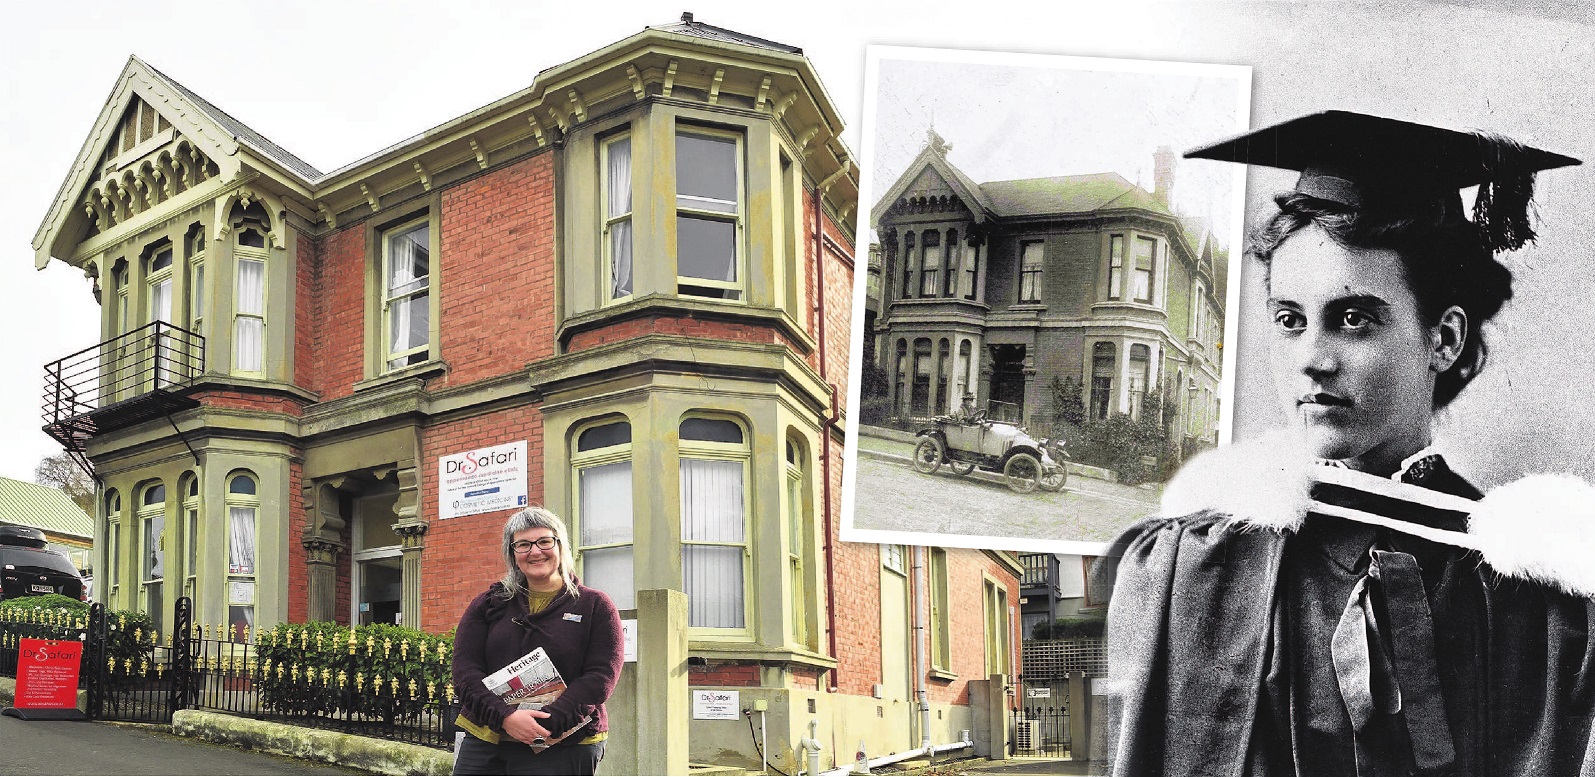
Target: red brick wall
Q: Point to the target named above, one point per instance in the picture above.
(744, 675)
(307, 269)
(966, 574)
(497, 265)
(239, 400)
(298, 579)
(684, 325)
(462, 555)
(334, 315)
(857, 585)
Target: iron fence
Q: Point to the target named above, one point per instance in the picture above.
(134, 674)
(235, 676)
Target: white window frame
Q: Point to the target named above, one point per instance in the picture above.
(1031, 276)
(1116, 285)
(144, 515)
(385, 290)
(113, 533)
(719, 451)
(191, 525)
(611, 219)
(580, 461)
(1150, 271)
(736, 216)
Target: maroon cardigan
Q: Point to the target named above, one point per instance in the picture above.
(581, 635)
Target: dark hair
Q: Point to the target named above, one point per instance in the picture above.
(1443, 255)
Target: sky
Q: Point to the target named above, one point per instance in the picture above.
(333, 81)
(1037, 116)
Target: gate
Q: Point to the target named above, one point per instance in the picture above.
(1041, 721)
(132, 677)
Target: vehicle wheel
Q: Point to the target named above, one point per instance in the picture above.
(961, 467)
(1023, 472)
(1054, 480)
(927, 455)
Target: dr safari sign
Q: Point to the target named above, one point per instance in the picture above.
(482, 480)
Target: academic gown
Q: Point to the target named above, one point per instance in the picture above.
(1341, 648)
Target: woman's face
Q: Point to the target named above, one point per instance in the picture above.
(1353, 361)
(541, 567)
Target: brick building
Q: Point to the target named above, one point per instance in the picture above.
(997, 288)
(626, 289)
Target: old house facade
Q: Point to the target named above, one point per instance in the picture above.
(997, 288)
(628, 285)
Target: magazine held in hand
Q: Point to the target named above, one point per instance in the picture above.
(531, 682)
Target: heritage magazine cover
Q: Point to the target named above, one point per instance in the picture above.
(531, 682)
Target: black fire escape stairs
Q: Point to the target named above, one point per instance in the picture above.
(145, 374)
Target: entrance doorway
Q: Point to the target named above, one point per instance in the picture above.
(378, 572)
(1007, 383)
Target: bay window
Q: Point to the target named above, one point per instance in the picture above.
(714, 459)
(709, 214)
(1115, 266)
(1145, 263)
(603, 510)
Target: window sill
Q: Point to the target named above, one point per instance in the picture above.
(942, 675)
(226, 381)
(652, 304)
(424, 370)
(1119, 305)
(754, 652)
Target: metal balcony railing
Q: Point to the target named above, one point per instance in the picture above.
(125, 380)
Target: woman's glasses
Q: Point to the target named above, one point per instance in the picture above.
(544, 544)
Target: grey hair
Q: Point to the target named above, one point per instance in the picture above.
(536, 518)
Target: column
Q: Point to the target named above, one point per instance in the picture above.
(411, 529)
(321, 558)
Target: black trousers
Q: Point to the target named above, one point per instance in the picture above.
(510, 757)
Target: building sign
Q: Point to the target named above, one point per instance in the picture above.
(47, 674)
(628, 631)
(716, 705)
(1038, 693)
(482, 480)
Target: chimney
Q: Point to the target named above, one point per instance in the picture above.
(1163, 174)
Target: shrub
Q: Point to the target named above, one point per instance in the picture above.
(314, 668)
(1090, 626)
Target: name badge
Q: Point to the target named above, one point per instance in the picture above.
(573, 617)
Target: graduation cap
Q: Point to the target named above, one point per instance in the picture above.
(1367, 162)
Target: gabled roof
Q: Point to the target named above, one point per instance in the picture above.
(1068, 194)
(708, 31)
(240, 131)
(43, 508)
(934, 157)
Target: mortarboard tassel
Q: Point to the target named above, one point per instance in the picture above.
(1501, 209)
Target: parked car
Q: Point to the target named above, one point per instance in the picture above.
(1025, 462)
(29, 568)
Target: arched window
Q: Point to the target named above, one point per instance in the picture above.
(1140, 376)
(1103, 366)
(603, 515)
(919, 404)
(714, 456)
(243, 508)
(962, 385)
(189, 486)
(944, 402)
(249, 298)
(900, 379)
(113, 538)
(152, 549)
(799, 514)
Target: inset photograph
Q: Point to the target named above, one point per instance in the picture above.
(1040, 339)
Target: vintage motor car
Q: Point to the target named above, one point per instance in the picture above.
(1026, 463)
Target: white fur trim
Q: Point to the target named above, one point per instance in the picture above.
(1262, 482)
(1540, 528)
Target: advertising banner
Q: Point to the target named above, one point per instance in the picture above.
(47, 679)
(482, 480)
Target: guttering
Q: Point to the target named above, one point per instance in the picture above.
(827, 424)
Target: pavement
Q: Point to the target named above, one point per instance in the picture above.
(891, 496)
(64, 747)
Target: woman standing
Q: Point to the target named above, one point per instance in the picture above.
(1335, 601)
(538, 603)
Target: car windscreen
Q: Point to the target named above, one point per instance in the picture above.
(36, 561)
